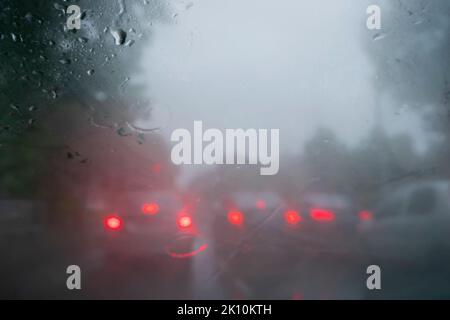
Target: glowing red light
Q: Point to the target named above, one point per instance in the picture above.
(365, 215)
(322, 215)
(292, 217)
(185, 222)
(156, 168)
(113, 223)
(192, 253)
(260, 204)
(297, 296)
(236, 218)
(150, 208)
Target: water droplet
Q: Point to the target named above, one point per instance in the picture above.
(65, 61)
(15, 108)
(60, 7)
(189, 5)
(122, 8)
(379, 36)
(142, 130)
(141, 138)
(123, 132)
(29, 17)
(119, 36)
(101, 96)
(129, 43)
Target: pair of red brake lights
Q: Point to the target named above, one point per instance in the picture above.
(184, 220)
(292, 217)
(322, 215)
(115, 222)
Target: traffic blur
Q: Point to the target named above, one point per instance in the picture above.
(224, 235)
(358, 175)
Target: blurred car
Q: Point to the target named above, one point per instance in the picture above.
(323, 220)
(411, 222)
(145, 224)
(236, 217)
(236, 222)
(263, 231)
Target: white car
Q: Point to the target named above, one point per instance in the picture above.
(411, 222)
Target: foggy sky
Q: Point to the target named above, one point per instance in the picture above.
(292, 65)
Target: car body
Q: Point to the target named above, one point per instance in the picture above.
(411, 222)
(263, 231)
(319, 219)
(144, 223)
(241, 213)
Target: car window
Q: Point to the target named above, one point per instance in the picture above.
(223, 149)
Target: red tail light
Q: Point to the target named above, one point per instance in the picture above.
(192, 253)
(365, 215)
(113, 223)
(184, 222)
(156, 168)
(292, 217)
(322, 215)
(260, 204)
(236, 218)
(150, 208)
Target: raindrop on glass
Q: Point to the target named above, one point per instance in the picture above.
(119, 36)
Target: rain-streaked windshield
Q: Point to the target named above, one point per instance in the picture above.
(224, 149)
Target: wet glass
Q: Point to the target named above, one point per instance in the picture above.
(91, 93)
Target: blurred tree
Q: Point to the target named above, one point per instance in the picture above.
(325, 159)
(45, 67)
(411, 58)
(411, 51)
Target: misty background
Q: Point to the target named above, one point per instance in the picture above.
(298, 67)
(84, 119)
